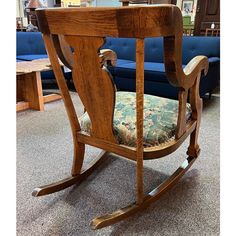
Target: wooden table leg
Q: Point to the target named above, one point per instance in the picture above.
(29, 89)
(51, 97)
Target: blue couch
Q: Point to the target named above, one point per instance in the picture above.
(30, 46)
(155, 79)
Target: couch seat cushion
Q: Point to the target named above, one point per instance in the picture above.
(160, 119)
(214, 59)
(31, 57)
(121, 62)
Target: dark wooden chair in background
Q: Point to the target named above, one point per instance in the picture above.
(19, 24)
(125, 123)
(212, 32)
(188, 32)
(127, 2)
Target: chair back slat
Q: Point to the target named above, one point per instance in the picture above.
(63, 50)
(93, 84)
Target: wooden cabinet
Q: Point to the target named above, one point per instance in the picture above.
(208, 12)
(32, 19)
(57, 3)
(127, 2)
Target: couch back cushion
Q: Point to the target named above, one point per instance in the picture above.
(154, 50)
(29, 43)
(200, 45)
(192, 46)
(124, 47)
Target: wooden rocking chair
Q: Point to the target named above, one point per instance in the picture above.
(124, 123)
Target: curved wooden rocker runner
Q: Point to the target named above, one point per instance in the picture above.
(85, 30)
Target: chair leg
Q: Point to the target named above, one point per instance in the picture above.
(194, 149)
(196, 104)
(154, 195)
(210, 95)
(77, 176)
(79, 149)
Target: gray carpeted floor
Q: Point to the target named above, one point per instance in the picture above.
(44, 155)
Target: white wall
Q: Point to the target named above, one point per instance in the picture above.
(17, 8)
(179, 3)
(19, 11)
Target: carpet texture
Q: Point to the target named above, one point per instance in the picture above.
(44, 155)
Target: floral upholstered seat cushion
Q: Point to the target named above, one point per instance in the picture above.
(160, 119)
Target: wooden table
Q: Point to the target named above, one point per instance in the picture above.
(29, 85)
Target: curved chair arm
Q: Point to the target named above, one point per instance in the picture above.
(191, 75)
(108, 56)
(193, 69)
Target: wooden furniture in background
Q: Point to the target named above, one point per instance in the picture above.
(57, 3)
(188, 32)
(212, 32)
(162, 2)
(29, 86)
(73, 6)
(127, 2)
(208, 12)
(19, 22)
(85, 31)
(30, 10)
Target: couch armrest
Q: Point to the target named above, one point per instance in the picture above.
(108, 56)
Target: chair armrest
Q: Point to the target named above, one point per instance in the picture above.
(108, 56)
(193, 69)
(190, 79)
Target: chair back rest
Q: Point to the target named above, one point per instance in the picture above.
(85, 29)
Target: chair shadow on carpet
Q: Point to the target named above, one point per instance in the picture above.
(111, 187)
